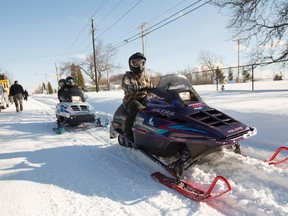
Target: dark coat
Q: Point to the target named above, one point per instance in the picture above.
(16, 89)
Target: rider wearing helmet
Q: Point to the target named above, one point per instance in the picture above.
(70, 81)
(132, 82)
(72, 89)
(61, 91)
(61, 83)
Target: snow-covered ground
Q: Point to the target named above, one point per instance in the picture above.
(83, 172)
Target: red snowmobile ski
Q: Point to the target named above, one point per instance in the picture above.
(181, 186)
(272, 160)
(189, 190)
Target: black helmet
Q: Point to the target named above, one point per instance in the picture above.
(137, 62)
(61, 82)
(70, 81)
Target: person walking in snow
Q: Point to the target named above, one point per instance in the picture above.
(132, 82)
(26, 95)
(17, 92)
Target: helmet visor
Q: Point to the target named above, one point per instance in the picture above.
(70, 81)
(137, 62)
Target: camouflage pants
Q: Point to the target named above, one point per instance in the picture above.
(132, 110)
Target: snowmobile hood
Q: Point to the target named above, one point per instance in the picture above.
(175, 109)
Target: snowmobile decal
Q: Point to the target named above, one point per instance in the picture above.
(161, 131)
(150, 122)
(186, 128)
(235, 129)
(163, 112)
(197, 105)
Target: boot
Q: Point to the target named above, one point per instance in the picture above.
(129, 135)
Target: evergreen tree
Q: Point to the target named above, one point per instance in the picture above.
(219, 76)
(246, 75)
(230, 75)
(49, 88)
(80, 79)
(44, 88)
(77, 75)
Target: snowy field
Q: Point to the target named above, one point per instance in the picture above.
(83, 172)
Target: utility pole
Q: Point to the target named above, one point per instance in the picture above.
(238, 44)
(94, 55)
(57, 77)
(142, 35)
(143, 42)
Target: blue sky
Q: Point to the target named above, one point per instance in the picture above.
(36, 35)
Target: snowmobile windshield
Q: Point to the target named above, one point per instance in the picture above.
(173, 91)
(73, 95)
(172, 82)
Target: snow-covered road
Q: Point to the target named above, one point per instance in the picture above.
(83, 172)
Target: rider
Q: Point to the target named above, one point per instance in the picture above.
(133, 81)
(61, 91)
(72, 88)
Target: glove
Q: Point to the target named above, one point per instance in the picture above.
(134, 87)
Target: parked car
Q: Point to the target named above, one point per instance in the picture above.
(4, 101)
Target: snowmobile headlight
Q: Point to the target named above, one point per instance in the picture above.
(76, 99)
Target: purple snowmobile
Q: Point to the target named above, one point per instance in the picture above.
(177, 125)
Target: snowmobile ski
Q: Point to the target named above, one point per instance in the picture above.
(272, 160)
(189, 190)
(98, 123)
(59, 130)
(183, 187)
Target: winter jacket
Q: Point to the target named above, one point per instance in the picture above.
(16, 89)
(138, 79)
(65, 93)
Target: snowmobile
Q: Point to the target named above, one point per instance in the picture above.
(73, 110)
(177, 124)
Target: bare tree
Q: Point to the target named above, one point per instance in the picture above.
(4, 74)
(262, 23)
(104, 63)
(209, 63)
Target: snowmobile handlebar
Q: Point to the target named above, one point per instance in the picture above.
(146, 89)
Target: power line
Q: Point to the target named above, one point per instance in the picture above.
(174, 15)
(132, 38)
(109, 12)
(150, 21)
(88, 46)
(178, 17)
(119, 19)
(156, 27)
(100, 6)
